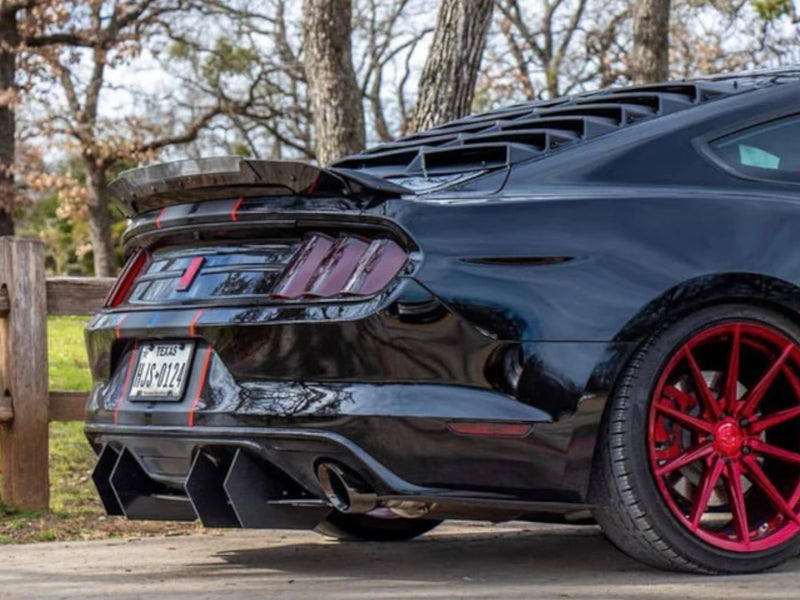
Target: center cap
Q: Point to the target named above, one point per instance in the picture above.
(728, 438)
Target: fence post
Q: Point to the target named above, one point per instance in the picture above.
(23, 375)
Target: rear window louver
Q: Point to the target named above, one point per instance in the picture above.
(537, 139)
(533, 129)
(584, 127)
(661, 104)
(620, 114)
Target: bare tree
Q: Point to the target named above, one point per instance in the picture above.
(332, 86)
(255, 66)
(114, 31)
(447, 85)
(649, 60)
(731, 35)
(23, 24)
(386, 37)
(550, 48)
(9, 42)
(548, 41)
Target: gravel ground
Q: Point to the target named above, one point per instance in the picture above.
(459, 560)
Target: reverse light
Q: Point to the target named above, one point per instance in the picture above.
(124, 283)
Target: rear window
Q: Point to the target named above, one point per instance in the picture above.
(768, 151)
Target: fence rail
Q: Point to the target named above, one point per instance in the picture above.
(27, 406)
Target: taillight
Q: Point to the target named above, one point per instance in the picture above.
(326, 267)
(124, 283)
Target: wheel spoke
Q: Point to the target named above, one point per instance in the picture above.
(775, 419)
(684, 419)
(761, 480)
(701, 501)
(688, 457)
(775, 451)
(755, 395)
(704, 392)
(738, 507)
(732, 378)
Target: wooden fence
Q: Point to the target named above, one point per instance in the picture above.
(27, 406)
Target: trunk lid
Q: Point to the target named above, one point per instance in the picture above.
(199, 180)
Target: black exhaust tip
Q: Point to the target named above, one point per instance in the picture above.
(345, 490)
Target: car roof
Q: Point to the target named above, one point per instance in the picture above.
(536, 128)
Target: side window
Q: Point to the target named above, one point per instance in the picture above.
(768, 151)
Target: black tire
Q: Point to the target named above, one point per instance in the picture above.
(363, 528)
(630, 508)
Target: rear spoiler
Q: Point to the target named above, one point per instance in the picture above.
(194, 180)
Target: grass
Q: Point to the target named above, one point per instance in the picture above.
(69, 367)
(71, 458)
(76, 512)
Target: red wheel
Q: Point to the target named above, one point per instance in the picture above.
(698, 463)
(722, 442)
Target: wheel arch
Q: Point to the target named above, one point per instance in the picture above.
(680, 301)
(721, 288)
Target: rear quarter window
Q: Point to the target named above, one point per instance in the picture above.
(768, 151)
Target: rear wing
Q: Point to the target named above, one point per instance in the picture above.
(195, 180)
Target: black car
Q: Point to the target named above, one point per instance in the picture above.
(570, 310)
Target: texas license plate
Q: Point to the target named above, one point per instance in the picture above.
(161, 372)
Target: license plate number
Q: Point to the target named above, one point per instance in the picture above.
(161, 372)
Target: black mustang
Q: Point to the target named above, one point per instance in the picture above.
(584, 308)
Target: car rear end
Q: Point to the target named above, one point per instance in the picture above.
(267, 355)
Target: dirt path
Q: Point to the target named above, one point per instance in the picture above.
(455, 561)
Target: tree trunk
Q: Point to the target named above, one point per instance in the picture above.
(650, 56)
(9, 39)
(447, 84)
(105, 257)
(332, 86)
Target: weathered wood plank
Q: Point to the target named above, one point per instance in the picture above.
(23, 366)
(64, 406)
(68, 406)
(6, 409)
(76, 295)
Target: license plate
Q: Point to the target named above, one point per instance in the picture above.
(161, 372)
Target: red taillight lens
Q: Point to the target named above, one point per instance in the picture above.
(299, 275)
(378, 266)
(324, 267)
(340, 263)
(124, 283)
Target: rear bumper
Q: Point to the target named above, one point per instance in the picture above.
(406, 428)
(377, 389)
(259, 478)
(404, 425)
